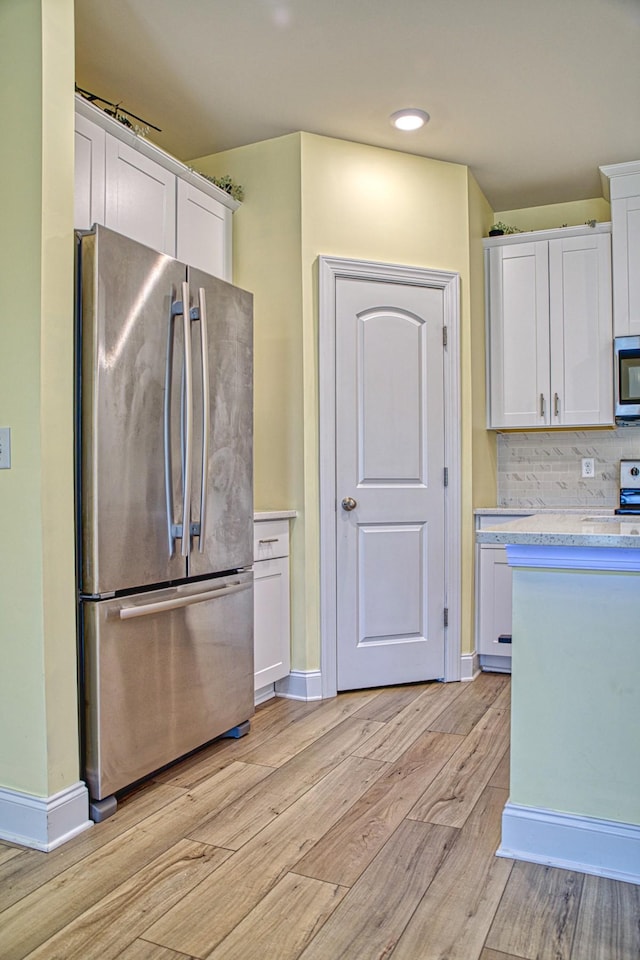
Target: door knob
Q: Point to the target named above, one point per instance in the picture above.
(348, 503)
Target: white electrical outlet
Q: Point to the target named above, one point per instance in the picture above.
(5, 448)
(588, 467)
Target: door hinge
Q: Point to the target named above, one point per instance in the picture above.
(444, 336)
(446, 476)
(446, 616)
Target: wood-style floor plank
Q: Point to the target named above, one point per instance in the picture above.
(10, 853)
(456, 912)
(608, 924)
(370, 920)
(500, 776)
(470, 707)
(390, 701)
(298, 736)
(348, 848)
(269, 720)
(332, 862)
(496, 955)
(103, 931)
(283, 923)
(21, 876)
(143, 950)
(238, 822)
(454, 792)
(42, 913)
(404, 728)
(210, 912)
(538, 913)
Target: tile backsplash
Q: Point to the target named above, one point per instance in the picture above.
(544, 469)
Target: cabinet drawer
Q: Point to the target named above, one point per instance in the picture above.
(270, 539)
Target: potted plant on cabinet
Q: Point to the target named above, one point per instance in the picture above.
(500, 228)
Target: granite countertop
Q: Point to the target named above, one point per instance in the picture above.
(528, 511)
(566, 529)
(275, 514)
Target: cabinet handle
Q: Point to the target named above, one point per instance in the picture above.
(542, 404)
(556, 405)
(269, 540)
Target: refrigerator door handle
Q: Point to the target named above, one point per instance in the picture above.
(179, 531)
(187, 423)
(161, 606)
(205, 415)
(176, 309)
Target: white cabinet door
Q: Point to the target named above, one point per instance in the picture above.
(140, 199)
(203, 237)
(625, 214)
(550, 332)
(89, 174)
(519, 335)
(580, 330)
(271, 621)
(494, 608)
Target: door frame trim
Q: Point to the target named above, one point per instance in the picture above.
(329, 270)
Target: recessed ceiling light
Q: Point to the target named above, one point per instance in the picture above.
(410, 119)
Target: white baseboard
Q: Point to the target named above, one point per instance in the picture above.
(604, 848)
(44, 823)
(263, 694)
(469, 666)
(301, 685)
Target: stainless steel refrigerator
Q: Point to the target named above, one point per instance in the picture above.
(165, 513)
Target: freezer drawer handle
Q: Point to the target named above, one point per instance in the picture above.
(127, 613)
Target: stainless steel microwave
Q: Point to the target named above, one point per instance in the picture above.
(627, 378)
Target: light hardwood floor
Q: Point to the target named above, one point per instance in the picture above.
(360, 828)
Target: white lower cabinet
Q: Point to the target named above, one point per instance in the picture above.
(493, 599)
(271, 604)
(493, 641)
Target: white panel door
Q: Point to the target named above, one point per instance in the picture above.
(390, 460)
(140, 197)
(581, 330)
(519, 318)
(203, 232)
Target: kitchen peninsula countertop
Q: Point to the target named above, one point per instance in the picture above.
(576, 529)
(275, 515)
(528, 511)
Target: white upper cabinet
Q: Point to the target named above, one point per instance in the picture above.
(622, 185)
(549, 351)
(203, 237)
(140, 197)
(89, 174)
(130, 185)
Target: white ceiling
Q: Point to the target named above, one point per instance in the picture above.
(531, 94)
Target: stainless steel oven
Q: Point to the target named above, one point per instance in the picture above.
(627, 378)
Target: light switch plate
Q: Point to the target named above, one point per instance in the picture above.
(5, 448)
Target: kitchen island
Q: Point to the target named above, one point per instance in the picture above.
(575, 764)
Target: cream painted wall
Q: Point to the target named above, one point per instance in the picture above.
(367, 203)
(554, 215)
(347, 200)
(266, 238)
(483, 441)
(38, 694)
(576, 710)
